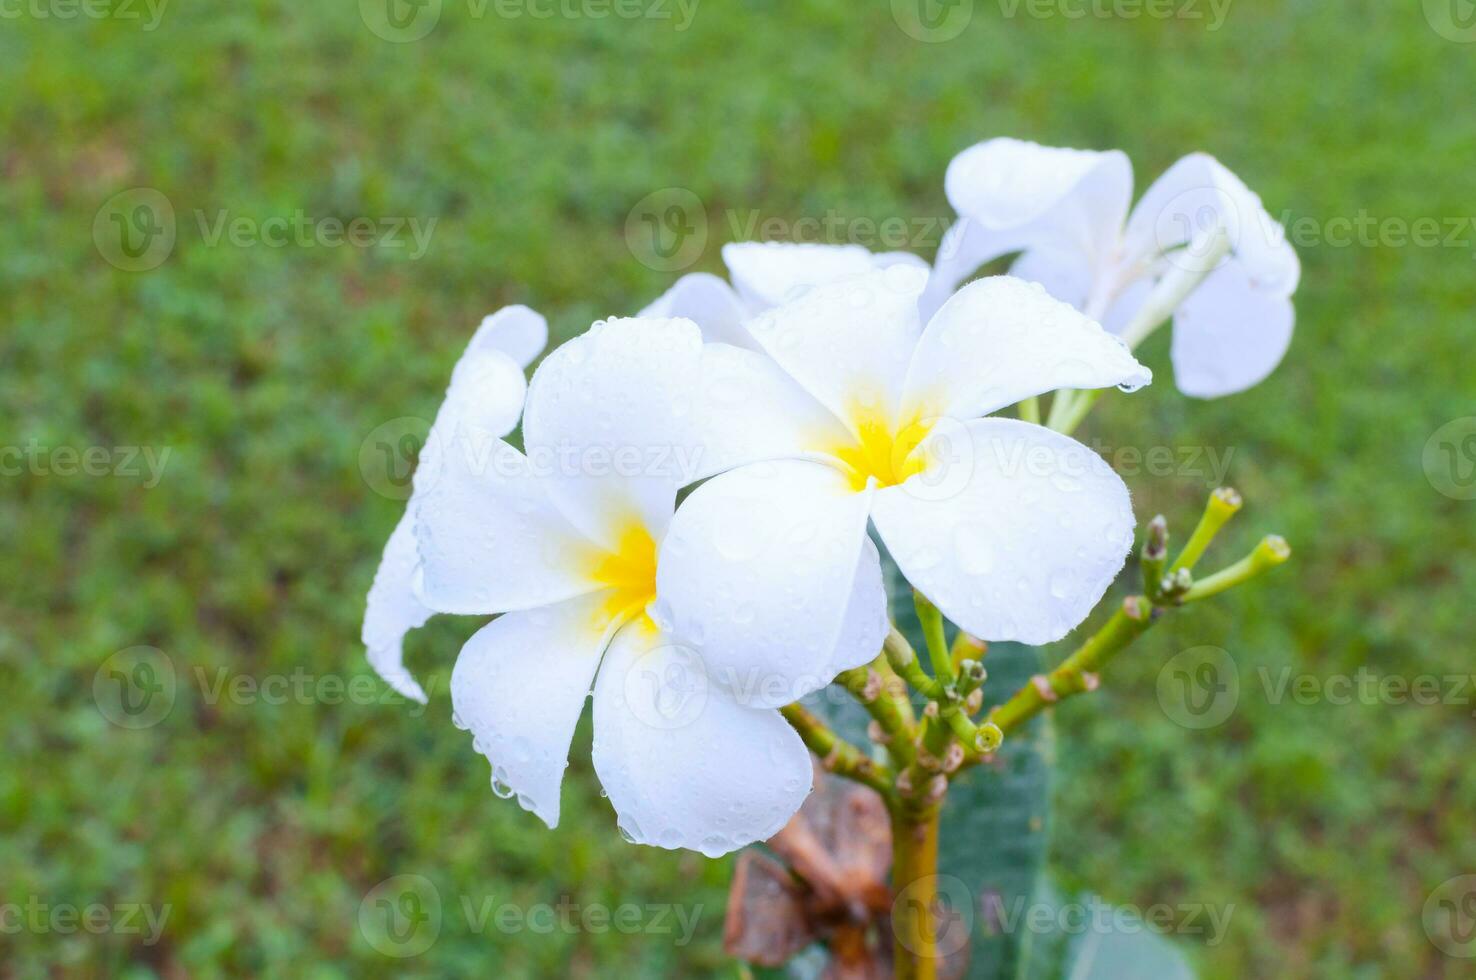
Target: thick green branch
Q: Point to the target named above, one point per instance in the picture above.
(1078, 672)
(884, 696)
(836, 754)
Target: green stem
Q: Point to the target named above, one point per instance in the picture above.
(1061, 403)
(884, 696)
(932, 626)
(967, 647)
(903, 660)
(1078, 672)
(1155, 557)
(1270, 552)
(1075, 411)
(836, 754)
(1223, 504)
(915, 889)
(1030, 410)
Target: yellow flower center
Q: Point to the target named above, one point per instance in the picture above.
(881, 450)
(629, 571)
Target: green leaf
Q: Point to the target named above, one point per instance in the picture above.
(1094, 941)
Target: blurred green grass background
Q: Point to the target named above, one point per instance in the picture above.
(264, 370)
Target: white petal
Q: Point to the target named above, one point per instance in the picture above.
(1229, 334)
(1129, 301)
(848, 343)
(516, 331)
(768, 274)
(708, 302)
(758, 568)
(750, 410)
(486, 395)
(607, 412)
(1011, 184)
(685, 766)
(865, 623)
(1001, 339)
(1037, 530)
(490, 538)
(1012, 195)
(519, 686)
(885, 260)
(393, 611)
(1189, 197)
(1065, 273)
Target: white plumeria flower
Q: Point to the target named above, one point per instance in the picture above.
(486, 395)
(563, 540)
(765, 275)
(1067, 212)
(1012, 530)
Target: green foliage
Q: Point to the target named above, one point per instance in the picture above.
(265, 369)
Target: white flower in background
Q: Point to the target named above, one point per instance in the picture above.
(1067, 212)
(563, 540)
(765, 275)
(1012, 530)
(486, 395)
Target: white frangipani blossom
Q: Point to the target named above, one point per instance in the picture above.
(765, 275)
(1067, 212)
(566, 540)
(1012, 530)
(486, 395)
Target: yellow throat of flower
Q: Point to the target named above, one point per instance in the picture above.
(882, 450)
(629, 570)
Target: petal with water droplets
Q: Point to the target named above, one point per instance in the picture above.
(848, 343)
(708, 302)
(1032, 530)
(758, 569)
(769, 274)
(684, 765)
(1000, 340)
(490, 538)
(519, 686)
(392, 611)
